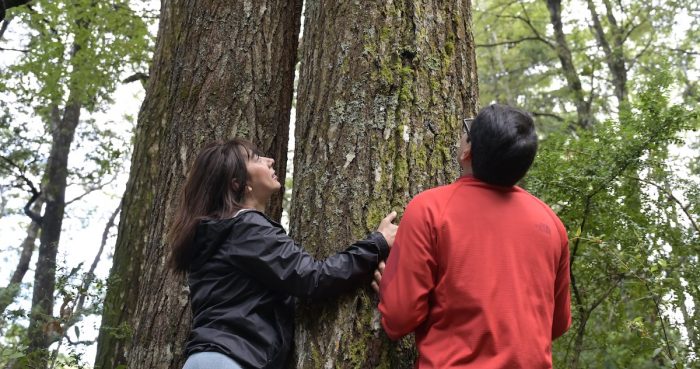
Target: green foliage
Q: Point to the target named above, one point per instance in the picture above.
(22, 154)
(631, 244)
(105, 153)
(518, 63)
(70, 290)
(77, 50)
(76, 54)
(12, 350)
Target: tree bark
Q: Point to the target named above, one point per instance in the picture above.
(583, 108)
(42, 324)
(382, 91)
(221, 69)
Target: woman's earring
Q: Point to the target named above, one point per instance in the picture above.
(249, 188)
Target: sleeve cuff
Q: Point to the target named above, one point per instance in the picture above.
(381, 243)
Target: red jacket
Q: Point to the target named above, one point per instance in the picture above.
(481, 274)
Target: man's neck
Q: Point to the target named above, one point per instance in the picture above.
(467, 171)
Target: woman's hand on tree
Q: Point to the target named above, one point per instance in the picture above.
(388, 229)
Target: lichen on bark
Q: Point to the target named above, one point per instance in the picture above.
(386, 84)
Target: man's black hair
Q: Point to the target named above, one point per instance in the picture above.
(504, 144)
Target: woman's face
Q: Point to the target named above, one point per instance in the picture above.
(261, 177)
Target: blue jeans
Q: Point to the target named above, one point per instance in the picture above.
(210, 360)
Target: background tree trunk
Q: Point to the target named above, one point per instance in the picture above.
(382, 91)
(615, 55)
(43, 326)
(9, 293)
(221, 69)
(561, 46)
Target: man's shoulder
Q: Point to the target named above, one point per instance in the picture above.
(432, 199)
(547, 209)
(538, 201)
(434, 194)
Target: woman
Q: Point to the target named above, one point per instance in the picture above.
(243, 269)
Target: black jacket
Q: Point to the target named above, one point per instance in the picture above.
(245, 278)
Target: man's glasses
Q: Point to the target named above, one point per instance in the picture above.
(466, 123)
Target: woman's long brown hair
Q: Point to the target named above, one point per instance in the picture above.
(214, 189)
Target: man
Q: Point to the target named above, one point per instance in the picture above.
(480, 268)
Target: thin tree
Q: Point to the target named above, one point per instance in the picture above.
(563, 51)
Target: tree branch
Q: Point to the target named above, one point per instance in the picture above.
(76, 343)
(622, 7)
(136, 77)
(639, 54)
(574, 253)
(543, 114)
(91, 190)
(511, 42)
(672, 197)
(657, 304)
(12, 49)
(683, 51)
(530, 26)
(628, 32)
(29, 212)
(71, 316)
(90, 276)
(528, 21)
(32, 189)
(611, 17)
(500, 7)
(605, 295)
(598, 29)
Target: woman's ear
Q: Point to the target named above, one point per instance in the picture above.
(236, 187)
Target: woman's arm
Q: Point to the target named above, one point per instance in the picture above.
(267, 253)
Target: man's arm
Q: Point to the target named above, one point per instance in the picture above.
(410, 272)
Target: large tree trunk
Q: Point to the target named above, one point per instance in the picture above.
(221, 69)
(382, 91)
(43, 327)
